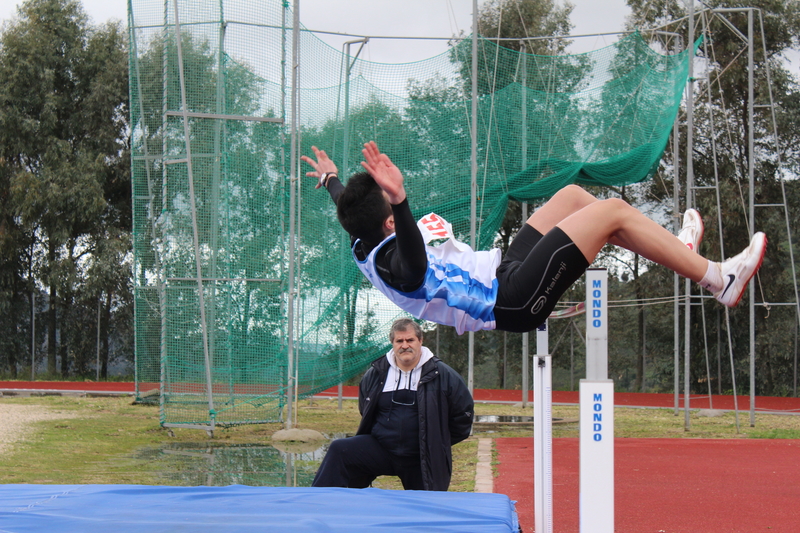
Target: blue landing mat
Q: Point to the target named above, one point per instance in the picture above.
(240, 508)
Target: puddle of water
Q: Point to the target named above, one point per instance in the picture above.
(491, 423)
(502, 419)
(213, 464)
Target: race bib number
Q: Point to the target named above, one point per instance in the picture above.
(433, 227)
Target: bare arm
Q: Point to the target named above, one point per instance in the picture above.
(384, 172)
(322, 165)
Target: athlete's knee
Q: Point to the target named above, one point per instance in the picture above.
(617, 207)
(575, 191)
(616, 203)
(575, 196)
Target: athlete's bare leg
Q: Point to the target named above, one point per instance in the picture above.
(613, 220)
(563, 204)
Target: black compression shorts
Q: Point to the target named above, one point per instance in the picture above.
(533, 275)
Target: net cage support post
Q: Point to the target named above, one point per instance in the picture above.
(195, 230)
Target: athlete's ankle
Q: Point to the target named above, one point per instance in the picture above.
(712, 281)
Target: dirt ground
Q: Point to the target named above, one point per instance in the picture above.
(16, 421)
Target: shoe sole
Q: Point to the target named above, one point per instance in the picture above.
(758, 266)
(700, 233)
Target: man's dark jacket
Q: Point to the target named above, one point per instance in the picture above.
(445, 409)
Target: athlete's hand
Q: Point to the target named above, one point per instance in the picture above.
(321, 165)
(385, 173)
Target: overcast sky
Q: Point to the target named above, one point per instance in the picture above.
(419, 18)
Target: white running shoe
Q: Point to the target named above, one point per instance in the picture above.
(738, 270)
(691, 233)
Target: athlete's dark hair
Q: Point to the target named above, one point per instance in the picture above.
(362, 209)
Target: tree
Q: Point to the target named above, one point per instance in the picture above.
(63, 87)
(721, 131)
(506, 28)
(503, 27)
(510, 62)
(518, 19)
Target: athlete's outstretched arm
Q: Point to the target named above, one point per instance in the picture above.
(322, 165)
(408, 263)
(384, 172)
(325, 166)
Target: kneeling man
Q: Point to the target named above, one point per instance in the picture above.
(413, 409)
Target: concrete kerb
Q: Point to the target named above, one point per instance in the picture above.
(50, 392)
(484, 477)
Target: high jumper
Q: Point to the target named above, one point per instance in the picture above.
(454, 285)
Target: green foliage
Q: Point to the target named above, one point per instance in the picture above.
(517, 19)
(720, 154)
(65, 183)
(544, 120)
(506, 25)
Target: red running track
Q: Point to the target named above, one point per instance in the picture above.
(90, 386)
(669, 485)
(763, 403)
(631, 399)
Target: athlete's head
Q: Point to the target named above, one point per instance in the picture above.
(363, 209)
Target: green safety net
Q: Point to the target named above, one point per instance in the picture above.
(245, 289)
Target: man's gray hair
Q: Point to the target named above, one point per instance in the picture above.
(403, 324)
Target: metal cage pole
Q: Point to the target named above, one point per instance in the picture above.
(97, 366)
(162, 276)
(148, 160)
(292, 207)
(525, 386)
(676, 307)
(783, 197)
(687, 317)
(195, 231)
(752, 213)
(473, 190)
(33, 336)
(524, 164)
(345, 163)
(283, 266)
(219, 138)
